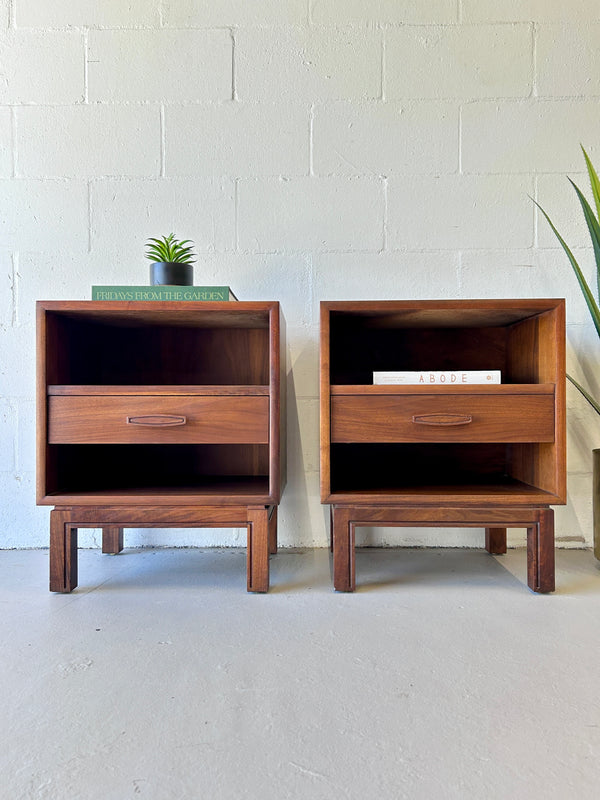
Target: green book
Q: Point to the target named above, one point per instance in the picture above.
(146, 293)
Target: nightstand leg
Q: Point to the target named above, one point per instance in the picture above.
(331, 529)
(540, 552)
(258, 549)
(495, 541)
(344, 571)
(112, 540)
(63, 552)
(273, 530)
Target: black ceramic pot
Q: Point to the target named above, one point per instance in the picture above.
(171, 273)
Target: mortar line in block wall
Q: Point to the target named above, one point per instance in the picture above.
(233, 58)
(311, 129)
(310, 278)
(534, 38)
(384, 229)
(236, 202)
(13, 134)
(459, 11)
(163, 142)
(460, 136)
(89, 185)
(86, 92)
(14, 288)
(383, 66)
(16, 409)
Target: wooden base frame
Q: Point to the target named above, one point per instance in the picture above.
(538, 521)
(260, 522)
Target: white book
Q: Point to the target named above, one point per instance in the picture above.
(432, 378)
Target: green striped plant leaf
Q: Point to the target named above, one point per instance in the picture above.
(593, 228)
(593, 223)
(587, 395)
(594, 181)
(587, 292)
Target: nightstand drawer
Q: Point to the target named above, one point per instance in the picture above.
(134, 419)
(443, 418)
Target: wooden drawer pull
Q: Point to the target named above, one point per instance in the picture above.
(157, 420)
(442, 419)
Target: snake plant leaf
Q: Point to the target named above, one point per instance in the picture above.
(587, 293)
(594, 181)
(593, 227)
(587, 395)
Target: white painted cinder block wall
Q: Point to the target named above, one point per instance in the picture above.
(314, 149)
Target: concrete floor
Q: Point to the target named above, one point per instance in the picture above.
(443, 676)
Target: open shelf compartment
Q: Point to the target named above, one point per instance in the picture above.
(363, 338)
(510, 449)
(158, 473)
(405, 473)
(123, 344)
(159, 402)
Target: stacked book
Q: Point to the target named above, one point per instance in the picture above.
(431, 378)
(145, 293)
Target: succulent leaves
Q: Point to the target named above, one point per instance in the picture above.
(170, 250)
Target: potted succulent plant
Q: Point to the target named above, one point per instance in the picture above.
(172, 261)
(593, 222)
